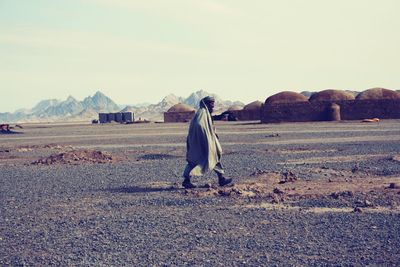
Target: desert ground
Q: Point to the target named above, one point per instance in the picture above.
(305, 194)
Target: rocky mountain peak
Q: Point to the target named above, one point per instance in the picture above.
(194, 98)
(171, 98)
(70, 99)
(43, 105)
(86, 110)
(100, 102)
(99, 94)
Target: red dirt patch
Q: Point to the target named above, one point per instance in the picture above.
(76, 157)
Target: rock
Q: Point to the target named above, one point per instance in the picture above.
(337, 195)
(394, 186)
(359, 203)
(277, 191)
(396, 158)
(208, 185)
(258, 172)
(357, 209)
(224, 193)
(355, 169)
(273, 135)
(368, 203)
(363, 204)
(287, 177)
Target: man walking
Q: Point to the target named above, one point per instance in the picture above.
(203, 147)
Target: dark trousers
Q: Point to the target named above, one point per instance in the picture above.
(218, 169)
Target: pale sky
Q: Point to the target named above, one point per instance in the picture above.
(140, 51)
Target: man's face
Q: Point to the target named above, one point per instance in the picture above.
(210, 106)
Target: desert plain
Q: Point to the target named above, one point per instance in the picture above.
(304, 194)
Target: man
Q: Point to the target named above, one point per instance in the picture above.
(203, 147)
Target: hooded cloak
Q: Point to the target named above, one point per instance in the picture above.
(203, 148)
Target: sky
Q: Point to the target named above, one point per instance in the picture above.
(140, 51)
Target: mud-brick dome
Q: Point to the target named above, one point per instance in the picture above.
(181, 108)
(286, 97)
(378, 93)
(256, 105)
(235, 108)
(331, 95)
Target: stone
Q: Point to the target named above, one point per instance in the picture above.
(357, 209)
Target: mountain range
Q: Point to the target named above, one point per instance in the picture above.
(54, 110)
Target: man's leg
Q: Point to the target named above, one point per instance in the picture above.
(219, 170)
(186, 176)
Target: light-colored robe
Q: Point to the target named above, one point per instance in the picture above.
(203, 148)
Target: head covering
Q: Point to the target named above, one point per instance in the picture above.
(208, 99)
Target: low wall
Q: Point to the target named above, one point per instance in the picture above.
(364, 109)
(249, 115)
(320, 111)
(178, 116)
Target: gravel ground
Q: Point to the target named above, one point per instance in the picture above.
(132, 211)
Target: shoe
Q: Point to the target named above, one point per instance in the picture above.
(187, 184)
(222, 181)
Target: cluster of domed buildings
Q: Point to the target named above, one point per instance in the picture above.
(332, 105)
(326, 105)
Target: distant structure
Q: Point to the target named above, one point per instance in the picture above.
(235, 108)
(179, 113)
(121, 117)
(378, 93)
(5, 127)
(331, 95)
(331, 105)
(251, 111)
(285, 97)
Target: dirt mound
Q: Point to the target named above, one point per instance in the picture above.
(76, 157)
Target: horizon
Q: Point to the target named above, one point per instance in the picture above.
(119, 104)
(139, 104)
(139, 52)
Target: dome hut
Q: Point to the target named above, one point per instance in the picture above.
(181, 108)
(231, 114)
(235, 108)
(285, 97)
(331, 95)
(378, 93)
(256, 105)
(179, 113)
(250, 112)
